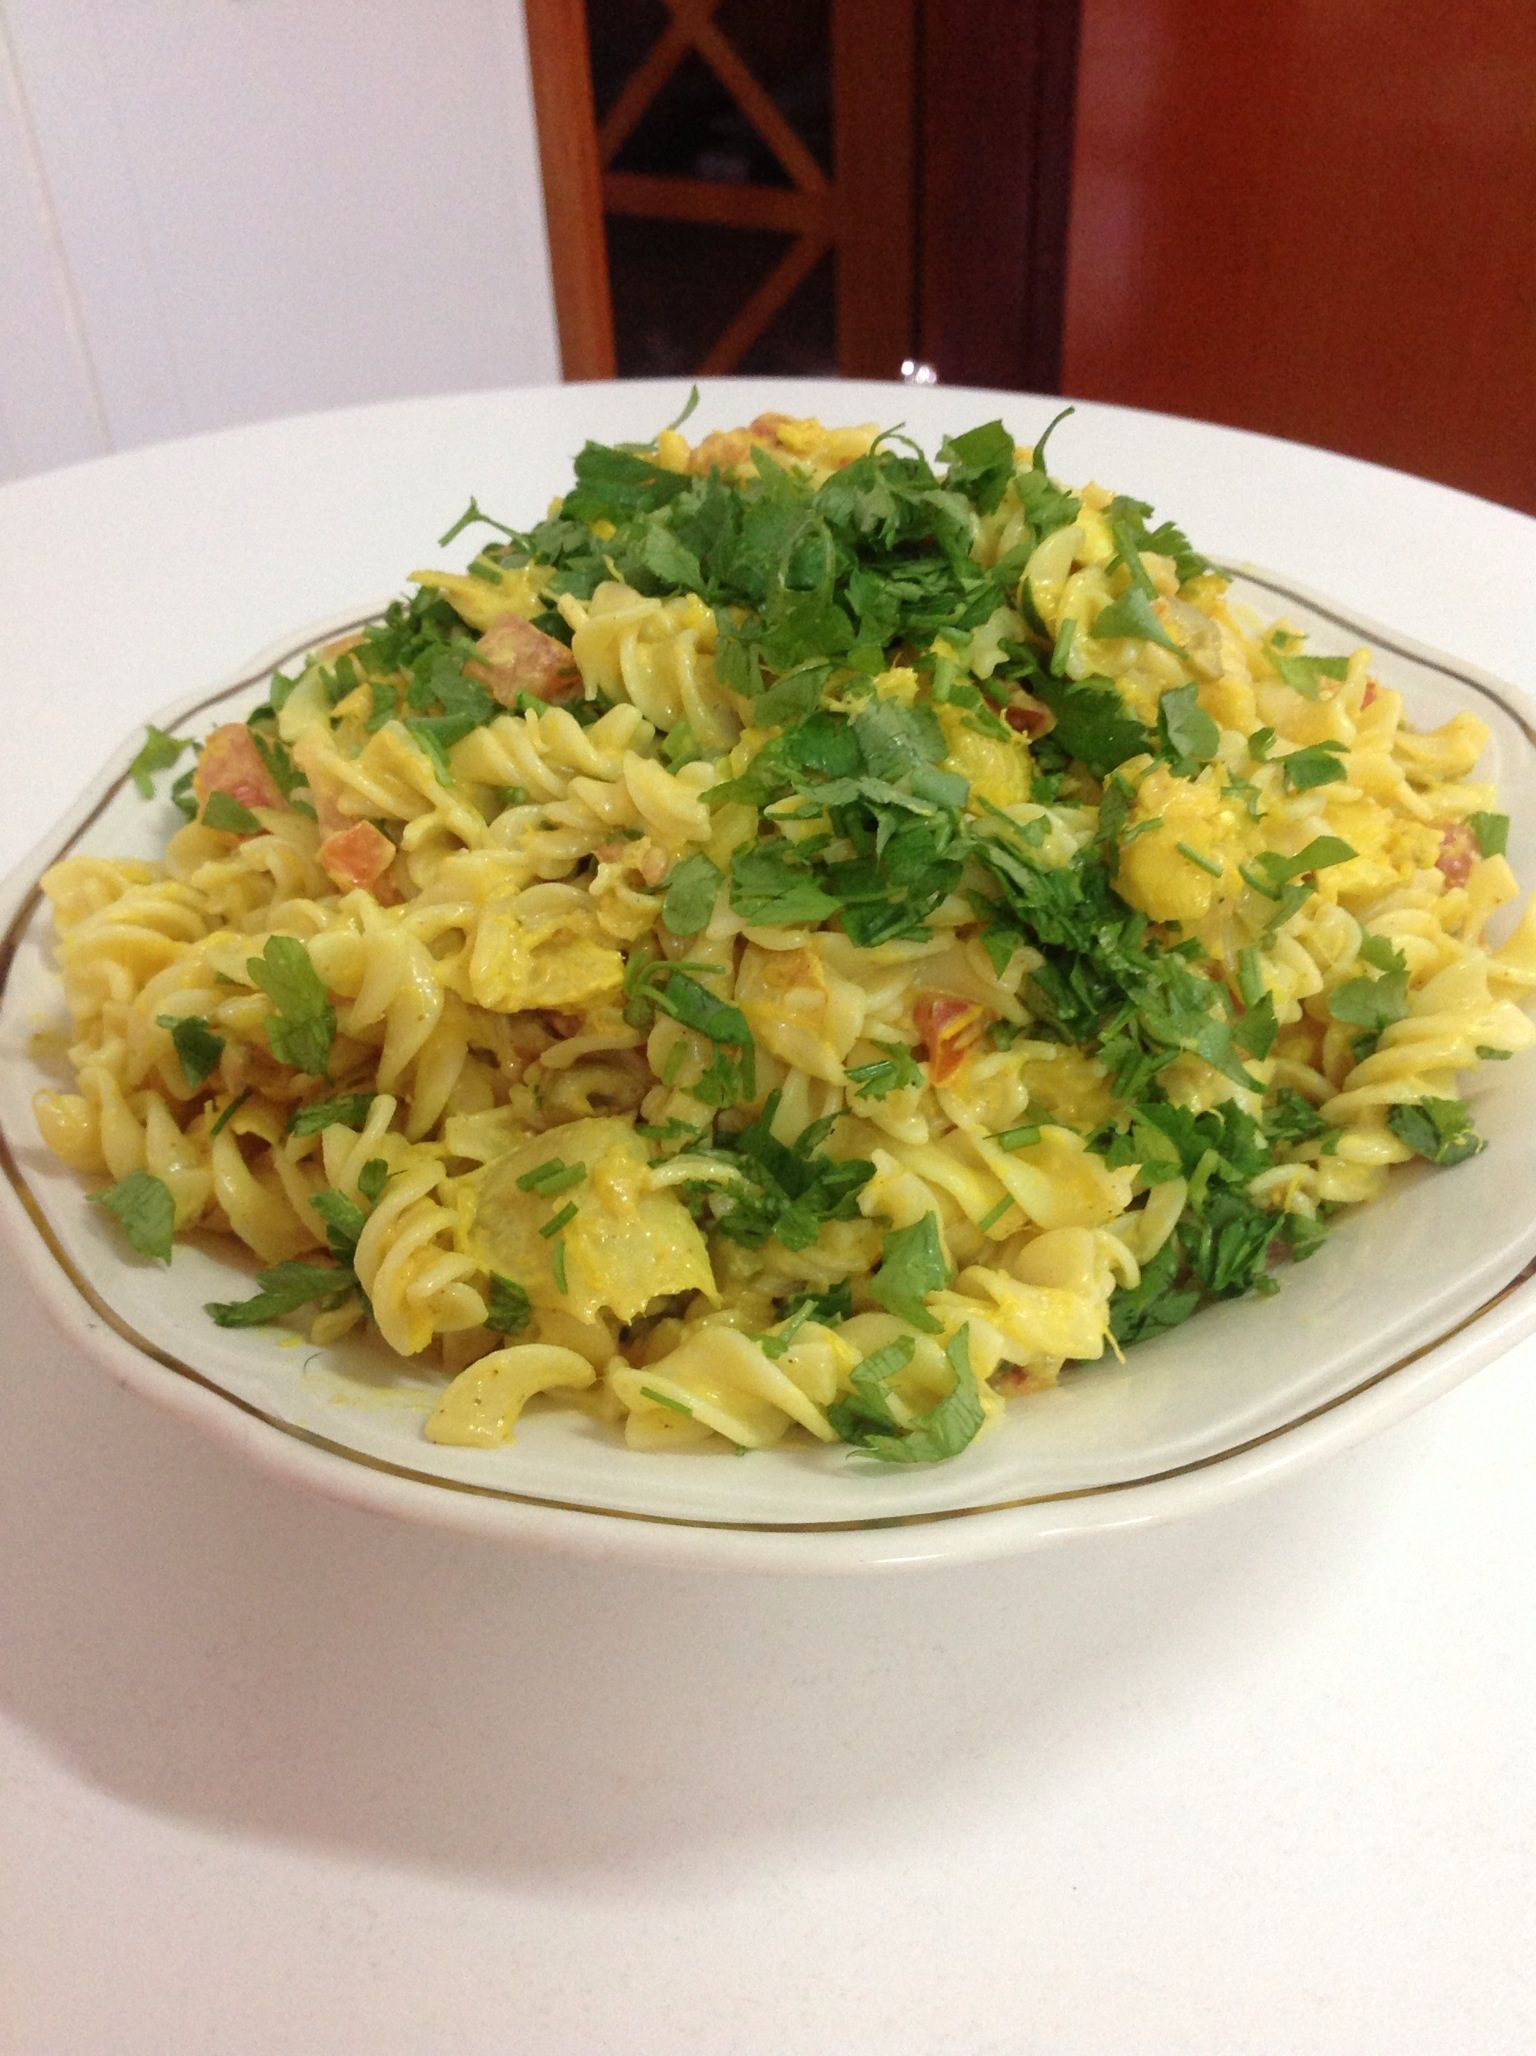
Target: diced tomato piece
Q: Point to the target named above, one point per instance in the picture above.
(948, 1027)
(1025, 718)
(513, 656)
(230, 762)
(1458, 852)
(360, 856)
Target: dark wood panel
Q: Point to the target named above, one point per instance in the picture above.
(874, 85)
(1315, 221)
(997, 109)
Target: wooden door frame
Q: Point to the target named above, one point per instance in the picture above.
(997, 92)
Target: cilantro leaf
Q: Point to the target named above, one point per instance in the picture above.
(948, 1427)
(771, 886)
(226, 814)
(143, 1208)
(980, 464)
(1439, 1129)
(690, 896)
(1156, 1303)
(912, 1266)
(284, 1288)
(1371, 1003)
(344, 1222)
(653, 985)
(1092, 722)
(196, 1045)
(350, 1111)
(1132, 614)
(157, 752)
(1270, 871)
(786, 1192)
(1316, 765)
(302, 1026)
(1128, 520)
(507, 1307)
(1188, 734)
(1492, 832)
(1304, 674)
(893, 1072)
(1293, 1118)
(866, 1405)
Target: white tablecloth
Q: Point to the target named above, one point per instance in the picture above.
(278, 1776)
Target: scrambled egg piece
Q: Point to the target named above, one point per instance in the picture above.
(998, 771)
(1158, 877)
(1388, 848)
(624, 1245)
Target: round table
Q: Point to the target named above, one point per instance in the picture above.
(281, 1776)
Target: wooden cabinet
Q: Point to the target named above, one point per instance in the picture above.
(1317, 220)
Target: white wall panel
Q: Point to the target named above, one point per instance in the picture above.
(49, 408)
(273, 205)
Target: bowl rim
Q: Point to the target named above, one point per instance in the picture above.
(958, 1534)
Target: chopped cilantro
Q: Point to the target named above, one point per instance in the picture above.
(894, 1071)
(912, 1266)
(1438, 1129)
(196, 1045)
(227, 815)
(1371, 1003)
(1199, 859)
(1492, 832)
(690, 896)
(507, 1306)
(1303, 674)
(653, 986)
(157, 752)
(784, 1191)
(1317, 765)
(1188, 735)
(283, 1290)
(350, 1111)
(229, 1112)
(1132, 615)
(302, 1026)
(143, 1208)
(946, 1428)
(1092, 722)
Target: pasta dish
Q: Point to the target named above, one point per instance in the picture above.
(803, 939)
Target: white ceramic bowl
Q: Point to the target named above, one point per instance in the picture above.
(1405, 1299)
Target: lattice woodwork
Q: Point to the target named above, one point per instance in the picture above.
(863, 210)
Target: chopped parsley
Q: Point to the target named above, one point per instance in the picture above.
(913, 1266)
(692, 888)
(225, 813)
(143, 1208)
(786, 1192)
(302, 1025)
(1438, 1129)
(157, 752)
(895, 1070)
(197, 1047)
(350, 1111)
(508, 1308)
